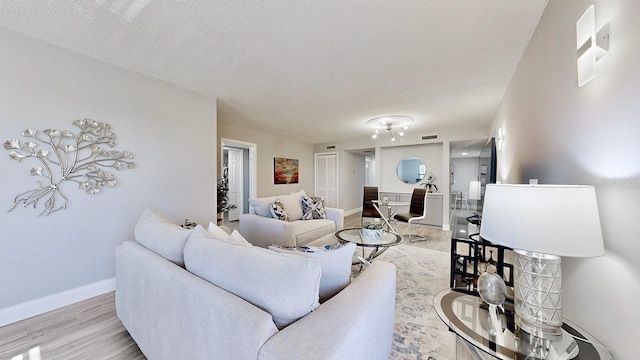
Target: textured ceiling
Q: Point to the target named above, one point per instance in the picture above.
(316, 70)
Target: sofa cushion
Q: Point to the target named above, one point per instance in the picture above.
(278, 211)
(335, 263)
(216, 232)
(313, 208)
(307, 231)
(292, 204)
(158, 234)
(285, 286)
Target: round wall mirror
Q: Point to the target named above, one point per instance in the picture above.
(411, 170)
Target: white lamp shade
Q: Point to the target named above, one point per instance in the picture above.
(559, 220)
(474, 190)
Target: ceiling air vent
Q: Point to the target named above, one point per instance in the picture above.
(331, 147)
(430, 137)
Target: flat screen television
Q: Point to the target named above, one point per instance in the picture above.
(488, 168)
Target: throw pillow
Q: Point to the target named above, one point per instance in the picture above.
(215, 232)
(158, 234)
(237, 238)
(285, 286)
(278, 211)
(335, 263)
(313, 208)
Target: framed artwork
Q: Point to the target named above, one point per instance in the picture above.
(285, 171)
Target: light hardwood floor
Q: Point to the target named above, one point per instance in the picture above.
(90, 329)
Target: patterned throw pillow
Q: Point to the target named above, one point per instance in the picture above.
(278, 212)
(313, 208)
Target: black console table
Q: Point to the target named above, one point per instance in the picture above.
(470, 256)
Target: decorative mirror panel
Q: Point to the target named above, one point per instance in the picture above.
(411, 170)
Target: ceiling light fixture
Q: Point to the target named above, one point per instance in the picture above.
(390, 123)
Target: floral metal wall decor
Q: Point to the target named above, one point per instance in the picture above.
(62, 157)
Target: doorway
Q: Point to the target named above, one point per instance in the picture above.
(239, 161)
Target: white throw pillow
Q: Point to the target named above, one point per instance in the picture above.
(335, 262)
(158, 234)
(285, 286)
(217, 233)
(236, 237)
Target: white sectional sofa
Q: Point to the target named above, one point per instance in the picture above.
(184, 295)
(260, 228)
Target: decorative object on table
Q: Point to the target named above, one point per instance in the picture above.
(67, 157)
(491, 287)
(542, 223)
(285, 171)
(371, 231)
(430, 183)
(471, 256)
(188, 224)
(223, 198)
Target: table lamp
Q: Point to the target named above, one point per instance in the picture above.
(541, 223)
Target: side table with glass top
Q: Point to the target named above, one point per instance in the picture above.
(377, 245)
(468, 316)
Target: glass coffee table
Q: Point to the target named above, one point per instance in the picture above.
(377, 245)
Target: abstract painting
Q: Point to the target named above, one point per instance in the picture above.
(285, 171)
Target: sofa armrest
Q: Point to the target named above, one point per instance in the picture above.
(337, 215)
(263, 231)
(355, 323)
(173, 314)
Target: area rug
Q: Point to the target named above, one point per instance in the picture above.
(418, 331)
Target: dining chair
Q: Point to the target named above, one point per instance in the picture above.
(417, 211)
(368, 210)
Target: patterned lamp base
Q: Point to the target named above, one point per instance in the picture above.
(538, 293)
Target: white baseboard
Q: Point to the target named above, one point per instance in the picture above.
(352, 211)
(35, 307)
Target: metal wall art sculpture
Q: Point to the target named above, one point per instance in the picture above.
(65, 157)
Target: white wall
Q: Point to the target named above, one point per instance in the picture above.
(560, 133)
(464, 171)
(268, 147)
(389, 157)
(171, 132)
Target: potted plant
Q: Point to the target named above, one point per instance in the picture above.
(430, 183)
(223, 198)
(371, 231)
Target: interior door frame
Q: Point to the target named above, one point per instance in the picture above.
(234, 214)
(253, 162)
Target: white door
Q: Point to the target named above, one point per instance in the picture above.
(235, 183)
(326, 184)
(370, 171)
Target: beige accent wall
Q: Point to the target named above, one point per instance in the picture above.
(268, 147)
(558, 132)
